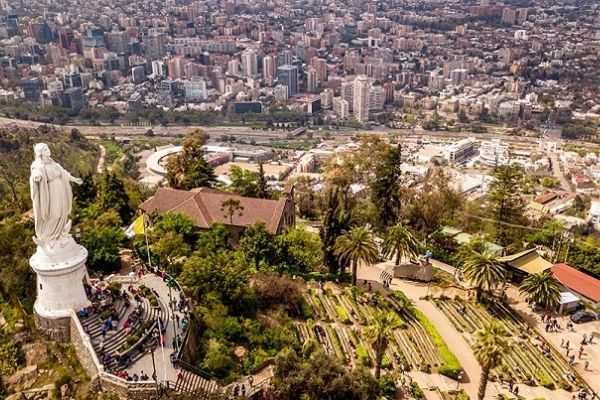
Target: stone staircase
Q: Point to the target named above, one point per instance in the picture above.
(193, 380)
(115, 341)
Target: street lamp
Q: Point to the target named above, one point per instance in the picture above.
(150, 349)
(171, 282)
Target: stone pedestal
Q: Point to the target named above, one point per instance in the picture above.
(60, 274)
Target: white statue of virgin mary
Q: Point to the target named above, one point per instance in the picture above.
(50, 186)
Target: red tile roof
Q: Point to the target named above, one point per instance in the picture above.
(578, 281)
(545, 198)
(203, 205)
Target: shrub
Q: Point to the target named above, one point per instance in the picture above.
(385, 362)
(363, 356)
(343, 314)
(105, 314)
(305, 309)
(450, 366)
(416, 391)
(565, 385)
(114, 287)
(11, 358)
(64, 379)
(545, 380)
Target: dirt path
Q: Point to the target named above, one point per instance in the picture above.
(101, 160)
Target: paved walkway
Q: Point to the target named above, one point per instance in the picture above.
(591, 351)
(416, 291)
(164, 369)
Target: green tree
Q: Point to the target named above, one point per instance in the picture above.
(177, 223)
(425, 210)
(379, 331)
(222, 277)
(243, 181)
(262, 186)
(484, 271)
(213, 240)
(169, 248)
(219, 359)
(490, 347)
(356, 246)
(337, 218)
(399, 242)
(506, 202)
(17, 280)
(541, 288)
(298, 251)
(317, 376)
(258, 245)
(386, 188)
(103, 246)
(86, 193)
(189, 169)
(112, 195)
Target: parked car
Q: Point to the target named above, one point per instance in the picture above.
(583, 316)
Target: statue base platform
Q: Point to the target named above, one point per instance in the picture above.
(61, 274)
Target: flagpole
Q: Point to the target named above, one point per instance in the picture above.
(146, 236)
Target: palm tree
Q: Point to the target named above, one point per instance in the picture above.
(355, 246)
(399, 242)
(379, 332)
(542, 288)
(490, 345)
(484, 270)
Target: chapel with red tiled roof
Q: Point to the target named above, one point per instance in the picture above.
(205, 207)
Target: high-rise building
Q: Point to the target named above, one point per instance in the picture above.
(32, 87)
(458, 76)
(509, 16)
(287, 75)
(154, 46)
(94, 38)
(73, 98)
(361, 98)
(117, 41)
(138, 74)
(341, 107)
(376, 97)
(195, 90)
(72, 78)
(233, 67)
(311, 80)
(348, 92)
(327, 98)
(249, 63)
(159, 68)
(280, 92)
(521, 15)
(269, 71)
(284, 58)
(320, 66)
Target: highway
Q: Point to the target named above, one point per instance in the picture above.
(262, 136)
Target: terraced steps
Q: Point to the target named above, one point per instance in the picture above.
(525, 361)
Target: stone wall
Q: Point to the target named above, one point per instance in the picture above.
(423, 273)
(85, 351)
(58, 329)
(128, 390)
